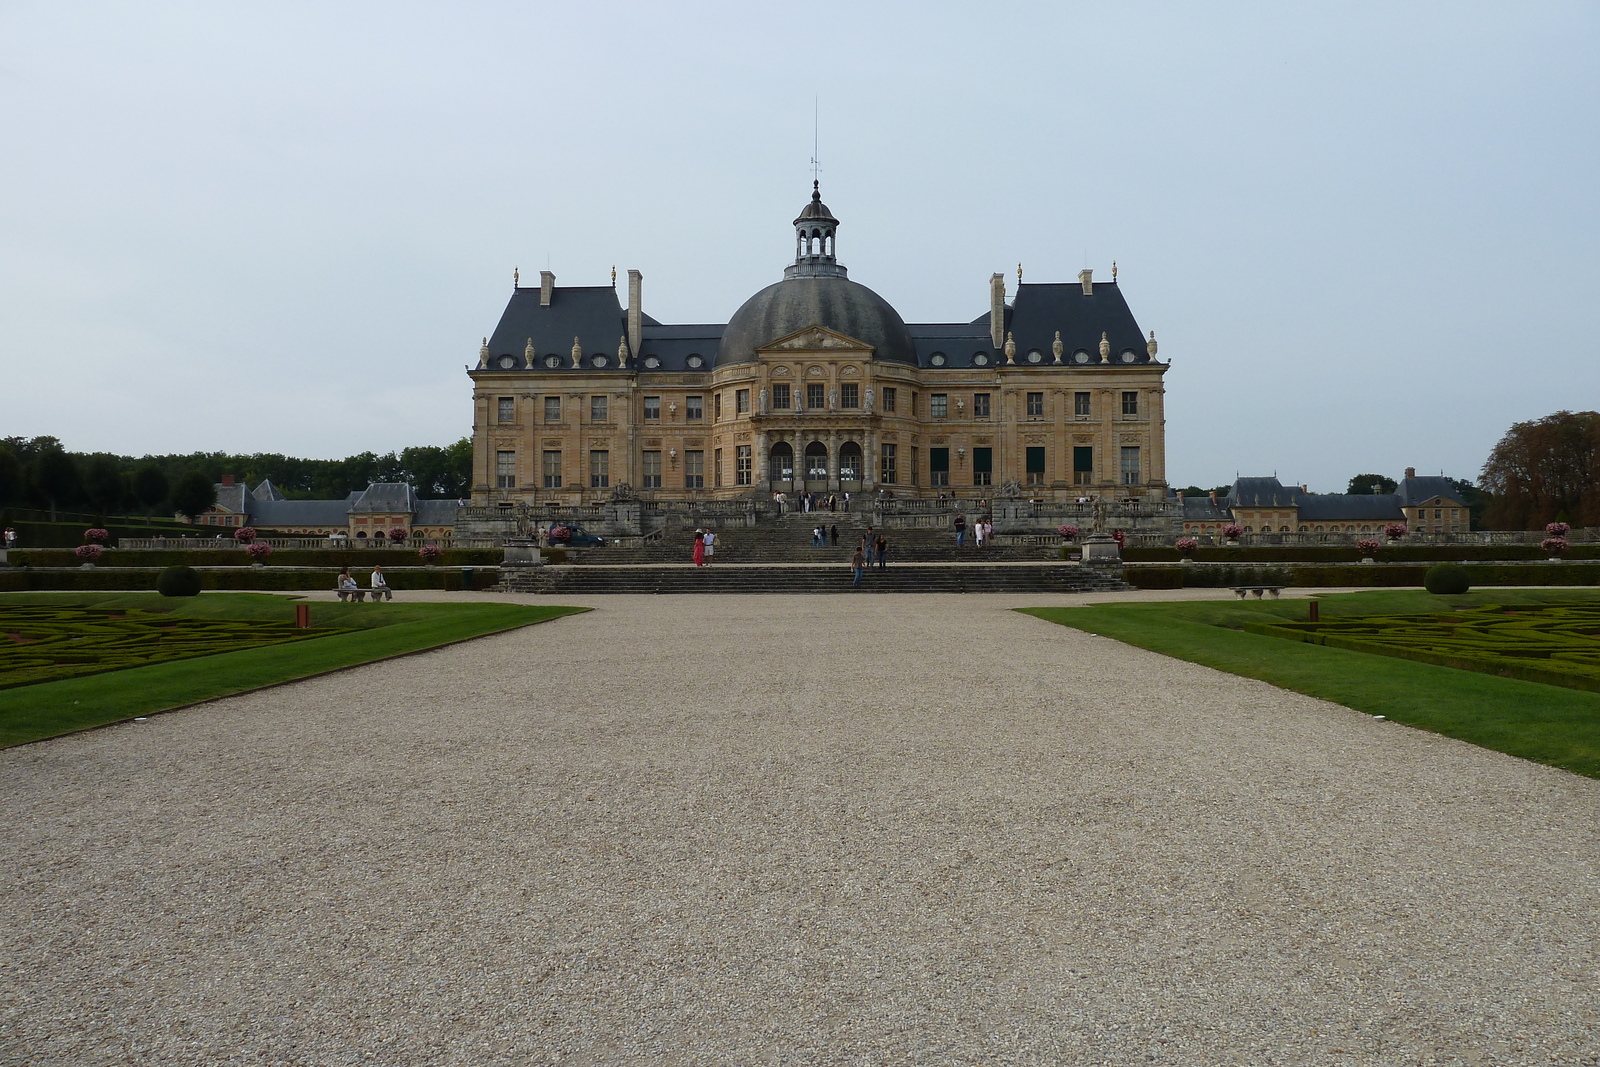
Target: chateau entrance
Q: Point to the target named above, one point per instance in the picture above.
(780, 465)
(850, 466)
(816, 467)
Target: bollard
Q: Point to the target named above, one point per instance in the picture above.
(302, 616)
(1314, 613)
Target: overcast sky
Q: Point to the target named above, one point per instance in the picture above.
(1365, 235)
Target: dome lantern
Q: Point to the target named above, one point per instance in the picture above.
(815, 233)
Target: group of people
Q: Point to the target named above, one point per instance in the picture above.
(377, 586)
(822, 535)
(874, 548)
(805, 502)
(982, 531)
(705, 546)
(11, 538)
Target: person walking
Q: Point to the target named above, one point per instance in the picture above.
(960, 524)
(699, 553)
(847, 500)
(11, 538)
(977, 532)
(380, 586)
(833, 532)
(857, 565)
(868, 545)
(883, 551)
(988, 533)
(710, 540)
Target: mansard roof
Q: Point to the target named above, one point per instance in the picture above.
(1040, 309)
(591, 313)
(1350, 507)
(1413, 491)
(385, 498)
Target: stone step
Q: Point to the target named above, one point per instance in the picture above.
(906, 578)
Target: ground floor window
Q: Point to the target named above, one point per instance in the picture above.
(741, 465)
(1035, 465)
(816, 461)
(850, 462)
(1083, 465)
(599, 469)
(886, 471)
(1130, 465)
(552, 470)
(694, 469)
(505, 470)
(652, 469)
(983, 466)
(938, 467)
(781, 462)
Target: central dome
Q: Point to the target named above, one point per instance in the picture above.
(816, 291)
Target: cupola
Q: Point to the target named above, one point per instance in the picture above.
(815, 233)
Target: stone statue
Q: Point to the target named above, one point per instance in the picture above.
(869, 399)
(1098, 511)
(761, 402)
(833, 398)
(577, 354)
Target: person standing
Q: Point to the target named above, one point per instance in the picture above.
(11, 538)
(1116, 535)
(379, 585)
(961, 530)
(882, 546)
(699, 553)
(833, 532)
(977, 532)
(710, 540)
(857, 565)
(847, 500)
(868, 545)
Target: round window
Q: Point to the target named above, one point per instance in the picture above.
(552, 361)
(1035, 356)
(507, 362)
(652, 362)
(696, 360)
(1080, 356)
(980, 360)
(937, 359)
(1128, 356)
(598, 361)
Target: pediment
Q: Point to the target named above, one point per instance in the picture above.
(815, 339)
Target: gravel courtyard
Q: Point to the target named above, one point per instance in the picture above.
(792, 830)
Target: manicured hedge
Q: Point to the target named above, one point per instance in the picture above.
(1401, 553)
(1354, 575)
(266, 578)
(70, 534)
(283, 557)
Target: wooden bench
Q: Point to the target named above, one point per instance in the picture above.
(356, 594)
(1240, 590)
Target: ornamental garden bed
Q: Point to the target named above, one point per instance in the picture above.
(398, 556)
(1397, 553)
(1352, 575)
(274, 577)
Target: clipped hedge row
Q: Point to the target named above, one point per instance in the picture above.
(245, 578)
(236, 557)
(70, 534)
(1401, 553)
(1354, 575)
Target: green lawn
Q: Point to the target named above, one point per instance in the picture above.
(355, 634)
(1546, 723)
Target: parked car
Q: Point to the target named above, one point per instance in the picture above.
(573, 536)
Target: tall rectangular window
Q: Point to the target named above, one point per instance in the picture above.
(815, 396)
(982, 466)
(980, 405)
(741, 401)
(886, 471)
(552, 409)
(652, 407)
(938, 406)
(597, 409)
(599, 469)
(505, 470)
(741, 465)
(1080, 405)
(915, 467)
(716, 407)
(1035, 464)
(716, 468)
(694, 469)
(850, 395)
(1035, 405)
(780, 396)
(1130, 465)
(1082, 464)
(916, 405)
(505, 409)
(1130, 403)
(652, 469)
(694, 408)
(889, 397)
(552, 470)
(938, 467)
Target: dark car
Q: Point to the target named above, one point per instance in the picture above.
(573, 536)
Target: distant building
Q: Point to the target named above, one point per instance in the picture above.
(373, 512)
(1267, 506)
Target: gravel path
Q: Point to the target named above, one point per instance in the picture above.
(792, 830)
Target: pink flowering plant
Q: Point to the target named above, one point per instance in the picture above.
(430, 554)
(94, 535)
(259, 551)
(1368, 546)
(1068, 531)
(1557, 529)
(397, 534)
(1187, 545)
(1555, 546)
(559, 533)
(1394, 530)
(1233, 531)
(88, 553)
(245, 534)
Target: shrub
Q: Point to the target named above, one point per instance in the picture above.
(1395, 530)
(558, 533)
(1233, 531)
(245, 534)
(1558, 529)
(96, 535)
(1555, 546)
(430, 554)
(179, 581)
(88, 553)
(1446, 579)
(1069, 531)
(1368, 546)
(259, 551)
(397, 534)
(1186, 545)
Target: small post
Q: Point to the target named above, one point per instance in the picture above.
(302, 616)
(1315, 617)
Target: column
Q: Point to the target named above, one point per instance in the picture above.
(869, 445)
(833, 461)
(762, 474)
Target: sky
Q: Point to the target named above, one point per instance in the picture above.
(1365, 234)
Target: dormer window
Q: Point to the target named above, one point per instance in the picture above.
(695, 361)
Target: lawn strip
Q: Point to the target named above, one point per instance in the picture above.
(1548, 724)
(49, 709)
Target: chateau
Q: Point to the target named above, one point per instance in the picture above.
(816, 384)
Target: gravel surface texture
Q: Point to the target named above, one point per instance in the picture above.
(792, 830)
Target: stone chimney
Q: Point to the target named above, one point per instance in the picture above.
(997, 309)
(1213, 497)
(1086, 279)
(635, 311)
(227, 481)
(547, 287)
(1411, 472)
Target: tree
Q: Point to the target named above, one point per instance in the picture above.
(12, 485)
(150, 486)
(1361, 484)
(103, 484)
(1543, 467)
(54, 475)
(193, 493)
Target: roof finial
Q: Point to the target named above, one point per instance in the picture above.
(1011, 349)
(1105, 348)
(1057, 347)
(613, 275)
(516, 277)
(577, 353)
(816, 140)
(1019, 275)
(1113, 270)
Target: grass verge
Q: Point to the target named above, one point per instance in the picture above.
(356, 634)
(1544, 723)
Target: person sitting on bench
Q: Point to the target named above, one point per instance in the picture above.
(380, 588)
(347, 587)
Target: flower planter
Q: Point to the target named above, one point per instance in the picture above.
(1368, 559)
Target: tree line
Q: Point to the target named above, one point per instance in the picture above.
(39, 472)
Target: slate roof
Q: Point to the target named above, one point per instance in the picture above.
(436, 512)
(1347, 507)
(591, 313)
(831, 301)
(385, 497)
(232, 498)
(957, 342)
(1201, 509)
(331, 513)
(1040, 309)
(267, 491)
(1263, 493)
(673, 345)
(1413, 491)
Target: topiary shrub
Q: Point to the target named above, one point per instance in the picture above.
(179, 581)
(1446, 579)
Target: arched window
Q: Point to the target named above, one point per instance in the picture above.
(850, 462)
(816, 461)
(781, 462)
